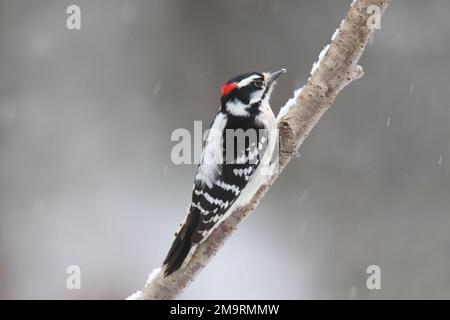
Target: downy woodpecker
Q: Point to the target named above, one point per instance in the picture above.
(230, 173)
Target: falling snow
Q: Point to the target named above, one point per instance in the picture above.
(303, 196)
(276, 7)
(157, 88)
(353, 292)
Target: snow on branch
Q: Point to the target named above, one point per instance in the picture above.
(336, 68)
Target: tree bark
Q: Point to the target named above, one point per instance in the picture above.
(337, 67)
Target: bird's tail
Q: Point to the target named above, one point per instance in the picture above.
(181, 248)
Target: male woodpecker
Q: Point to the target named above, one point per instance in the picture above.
(229, 173)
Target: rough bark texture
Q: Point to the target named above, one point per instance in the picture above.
(336, 68)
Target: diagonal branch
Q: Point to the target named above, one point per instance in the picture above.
(337, 67)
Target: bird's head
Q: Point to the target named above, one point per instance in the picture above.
(246, 91)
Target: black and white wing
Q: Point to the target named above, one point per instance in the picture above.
(226, 169)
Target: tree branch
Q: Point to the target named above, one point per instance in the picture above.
(337, 67)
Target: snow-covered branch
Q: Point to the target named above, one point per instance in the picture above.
(336, 68)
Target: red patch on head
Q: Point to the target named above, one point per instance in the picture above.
(227, 88)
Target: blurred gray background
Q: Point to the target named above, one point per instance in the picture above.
(86, 176)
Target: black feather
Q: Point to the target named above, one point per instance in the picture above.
(182, 244)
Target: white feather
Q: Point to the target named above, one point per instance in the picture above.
(212, 155)
(237, 108)
(246, 81)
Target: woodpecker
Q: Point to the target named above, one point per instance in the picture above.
(229, 173)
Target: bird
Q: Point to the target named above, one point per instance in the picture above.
(236, 161)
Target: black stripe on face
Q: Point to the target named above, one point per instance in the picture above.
(242, 94)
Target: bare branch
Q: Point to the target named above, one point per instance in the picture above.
(337, 67)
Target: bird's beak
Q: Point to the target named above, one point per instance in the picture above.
(274, 75)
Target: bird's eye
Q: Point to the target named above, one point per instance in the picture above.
(258, 83)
